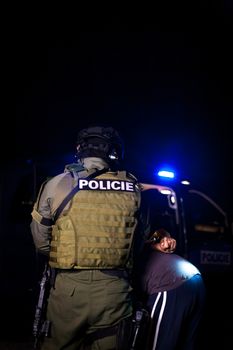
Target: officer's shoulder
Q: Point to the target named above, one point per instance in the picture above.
(53, 179)
(73, 168)
(69, 171)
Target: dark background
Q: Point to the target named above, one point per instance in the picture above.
(162, 76)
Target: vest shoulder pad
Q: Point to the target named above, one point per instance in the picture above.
(74, 167)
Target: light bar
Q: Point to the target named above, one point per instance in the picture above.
(166, 173)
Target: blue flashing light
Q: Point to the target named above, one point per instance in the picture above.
(166, 173)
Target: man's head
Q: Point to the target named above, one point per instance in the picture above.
(161, 240)
(102, 142)
(157, 236)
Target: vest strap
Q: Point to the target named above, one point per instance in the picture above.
(74, 191)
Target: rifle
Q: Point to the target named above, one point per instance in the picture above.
(41, 326)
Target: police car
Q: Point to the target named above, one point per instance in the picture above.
(200, 226)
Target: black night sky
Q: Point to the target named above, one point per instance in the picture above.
(165, 82)
(162, 76)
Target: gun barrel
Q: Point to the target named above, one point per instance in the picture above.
(40, 325)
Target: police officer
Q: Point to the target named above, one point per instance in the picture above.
(84, 220)
(174, 294)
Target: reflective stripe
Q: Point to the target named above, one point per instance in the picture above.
(164, 296)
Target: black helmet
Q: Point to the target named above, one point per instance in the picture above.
(98, 141)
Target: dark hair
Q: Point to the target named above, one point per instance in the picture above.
(158, 235)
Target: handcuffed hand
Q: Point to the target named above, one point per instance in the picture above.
(166, 245)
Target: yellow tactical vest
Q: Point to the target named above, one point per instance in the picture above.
(98, 229)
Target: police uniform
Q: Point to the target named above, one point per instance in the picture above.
(89, 247)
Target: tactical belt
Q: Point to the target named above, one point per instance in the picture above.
(111, 272)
